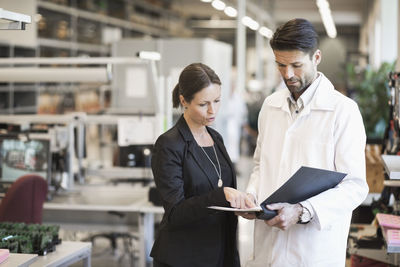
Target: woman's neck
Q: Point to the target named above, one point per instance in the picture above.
(199, 132)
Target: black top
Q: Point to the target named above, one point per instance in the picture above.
(189, 233)
(226, 176)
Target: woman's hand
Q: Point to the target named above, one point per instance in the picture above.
(248, 215)
(238, 199)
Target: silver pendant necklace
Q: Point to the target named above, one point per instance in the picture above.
(219, 174)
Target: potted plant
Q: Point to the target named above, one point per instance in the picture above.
(369, 88)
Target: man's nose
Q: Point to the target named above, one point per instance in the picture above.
(288, 73)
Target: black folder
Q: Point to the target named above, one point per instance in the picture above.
(305, 183)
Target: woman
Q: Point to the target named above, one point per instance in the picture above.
(192, 171)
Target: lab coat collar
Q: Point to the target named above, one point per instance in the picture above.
(323, 98)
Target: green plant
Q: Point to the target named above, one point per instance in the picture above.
(370, 90)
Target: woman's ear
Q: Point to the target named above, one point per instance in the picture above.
(183, 102)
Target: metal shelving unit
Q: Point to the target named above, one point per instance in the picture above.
(121, 23)
(81, 34)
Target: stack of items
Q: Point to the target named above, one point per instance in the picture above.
(390, 225)
(4, 254)
(29, 238)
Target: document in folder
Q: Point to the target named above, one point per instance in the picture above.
(305, 183)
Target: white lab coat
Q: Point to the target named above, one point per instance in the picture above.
(328, 134)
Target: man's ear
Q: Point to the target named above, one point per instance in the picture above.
(317, 57)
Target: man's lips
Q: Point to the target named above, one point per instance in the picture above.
(291, 82)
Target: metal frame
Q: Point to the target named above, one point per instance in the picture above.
(17, 20)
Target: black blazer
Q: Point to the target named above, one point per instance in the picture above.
(190, 234)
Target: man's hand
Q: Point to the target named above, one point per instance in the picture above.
(288, 214)
(238, 199)
(248, 215)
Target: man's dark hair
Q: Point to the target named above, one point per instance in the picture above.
(296, 34)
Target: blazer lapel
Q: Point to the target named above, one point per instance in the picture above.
(202, 161)
(195, 150)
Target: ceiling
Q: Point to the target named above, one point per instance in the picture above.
(209, 22)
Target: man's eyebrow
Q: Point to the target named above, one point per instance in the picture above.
(296, 62)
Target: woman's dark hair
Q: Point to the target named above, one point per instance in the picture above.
(296, 34)
(193, 79)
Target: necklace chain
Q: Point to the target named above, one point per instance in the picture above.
(219, 174)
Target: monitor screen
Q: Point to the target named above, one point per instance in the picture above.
(20, 157)
(135, 156)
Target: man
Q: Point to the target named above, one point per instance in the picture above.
(310, 124)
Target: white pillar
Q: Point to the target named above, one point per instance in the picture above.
(259, 55)
(241, 47)
(398, 38)
(389, 30)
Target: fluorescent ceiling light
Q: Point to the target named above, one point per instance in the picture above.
(206, 1)
(264, 31)
(218, 5)
(151, 55)
(230, 11)
(251, 23)
(326, 17)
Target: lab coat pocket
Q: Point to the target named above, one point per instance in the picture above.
(296, 244)
(301, 246)
(308, 246)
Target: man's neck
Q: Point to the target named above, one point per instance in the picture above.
(296, 95)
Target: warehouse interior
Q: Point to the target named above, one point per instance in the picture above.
(86, 90)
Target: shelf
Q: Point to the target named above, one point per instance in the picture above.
(18, 88)
(102, 19)
(28, 109)
(391, 183)
(392, 166)
(46, 42)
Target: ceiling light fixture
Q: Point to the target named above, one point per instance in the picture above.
(218, 5)
(150, 55)
(264, 31)
(230, 11)
(326, 17)
(206, 1)
(251, 23)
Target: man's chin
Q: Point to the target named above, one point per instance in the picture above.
(293, 88)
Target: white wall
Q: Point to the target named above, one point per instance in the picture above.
(379, 34)
(389, 28)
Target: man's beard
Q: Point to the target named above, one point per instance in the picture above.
(304, 84)
(295, 88)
